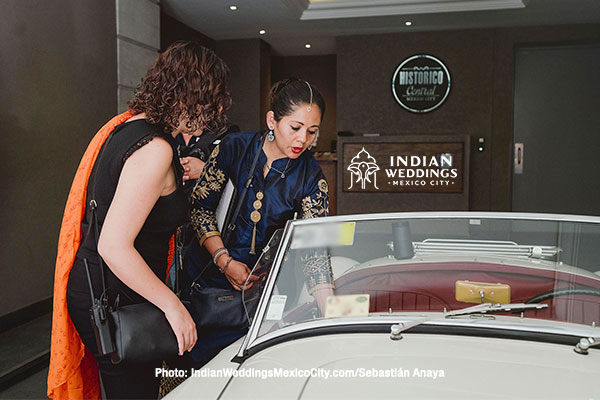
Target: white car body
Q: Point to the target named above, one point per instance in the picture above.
(523, 355)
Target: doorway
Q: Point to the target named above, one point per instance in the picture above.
(557, 121)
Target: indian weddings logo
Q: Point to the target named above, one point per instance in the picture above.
(363, 167)
(434, 167)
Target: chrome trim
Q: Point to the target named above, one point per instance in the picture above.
(261, 309)
(496, 247)
(252, 339)
(452, 214)
(585, 343)
(523, 325)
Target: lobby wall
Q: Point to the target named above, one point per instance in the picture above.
(58, 85)
(172, 30)
(480, 104)
(248, 61)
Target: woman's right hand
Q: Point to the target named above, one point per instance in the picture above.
(237, 273)
(183, 326)
(192, 168)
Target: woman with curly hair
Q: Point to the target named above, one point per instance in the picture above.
(136, 180)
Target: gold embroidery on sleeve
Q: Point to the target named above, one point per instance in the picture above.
(319, 206)
(215, 152)
(212, 178)
(323, 186)
(204, 223)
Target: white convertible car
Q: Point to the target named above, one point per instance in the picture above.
(426, 305)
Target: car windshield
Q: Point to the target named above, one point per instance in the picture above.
(425, 264)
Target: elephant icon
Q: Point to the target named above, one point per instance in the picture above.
(363, 167)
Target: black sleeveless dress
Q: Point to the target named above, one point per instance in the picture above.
(152, 242)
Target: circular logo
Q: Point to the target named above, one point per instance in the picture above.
(421, 83)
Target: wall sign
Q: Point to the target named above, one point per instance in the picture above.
(403, 167)
(421, 83)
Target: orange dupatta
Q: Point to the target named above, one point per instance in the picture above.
(73, 370)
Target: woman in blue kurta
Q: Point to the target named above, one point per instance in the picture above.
(287, 180)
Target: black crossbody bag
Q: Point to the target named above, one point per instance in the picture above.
(217, 308)
(135, 333)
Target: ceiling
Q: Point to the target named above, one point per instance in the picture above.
(290, 24)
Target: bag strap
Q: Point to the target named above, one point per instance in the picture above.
(178, 259)
(94, 210)
(230, 225)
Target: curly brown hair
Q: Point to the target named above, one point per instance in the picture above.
(187, 82)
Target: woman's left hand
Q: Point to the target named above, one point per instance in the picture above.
(192, 168)
(237, 273)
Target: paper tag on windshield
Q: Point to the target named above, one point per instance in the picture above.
(355, 305)
(276, 306)
(331, 234)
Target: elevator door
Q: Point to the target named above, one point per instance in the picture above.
(557, 119)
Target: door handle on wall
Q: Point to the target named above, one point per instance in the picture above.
(519, 148)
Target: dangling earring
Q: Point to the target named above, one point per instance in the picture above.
(270, 135)
(314, 142)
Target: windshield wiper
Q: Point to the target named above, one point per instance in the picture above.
(485, 308)
(585, 343)
(489, 308)
(397, 329)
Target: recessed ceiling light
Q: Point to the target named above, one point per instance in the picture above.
(307, 45)
(262, 31)
(233, 8)
(408, 23)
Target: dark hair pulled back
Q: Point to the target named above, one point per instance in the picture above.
(288, 94)
(186, 81)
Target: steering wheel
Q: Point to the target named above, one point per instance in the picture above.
(562, 292)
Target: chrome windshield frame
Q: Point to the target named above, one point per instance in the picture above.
(262, 304)
(453, 215)
(252, 339)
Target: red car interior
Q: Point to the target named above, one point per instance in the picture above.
(431, 287)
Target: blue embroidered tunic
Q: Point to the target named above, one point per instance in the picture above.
(291, 186)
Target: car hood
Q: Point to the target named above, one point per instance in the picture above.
(418, 366)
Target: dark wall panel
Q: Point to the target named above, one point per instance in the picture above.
(58, 85)
(366, 104)
(506, 41)
(172, 30)
(244, 60)
(265, 82)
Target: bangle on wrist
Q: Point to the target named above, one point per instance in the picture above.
(222, 270)
(219, 256)
(219, 253)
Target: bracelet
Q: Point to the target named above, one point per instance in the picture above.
(219, 256)
(219, 253)
(226, 265)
